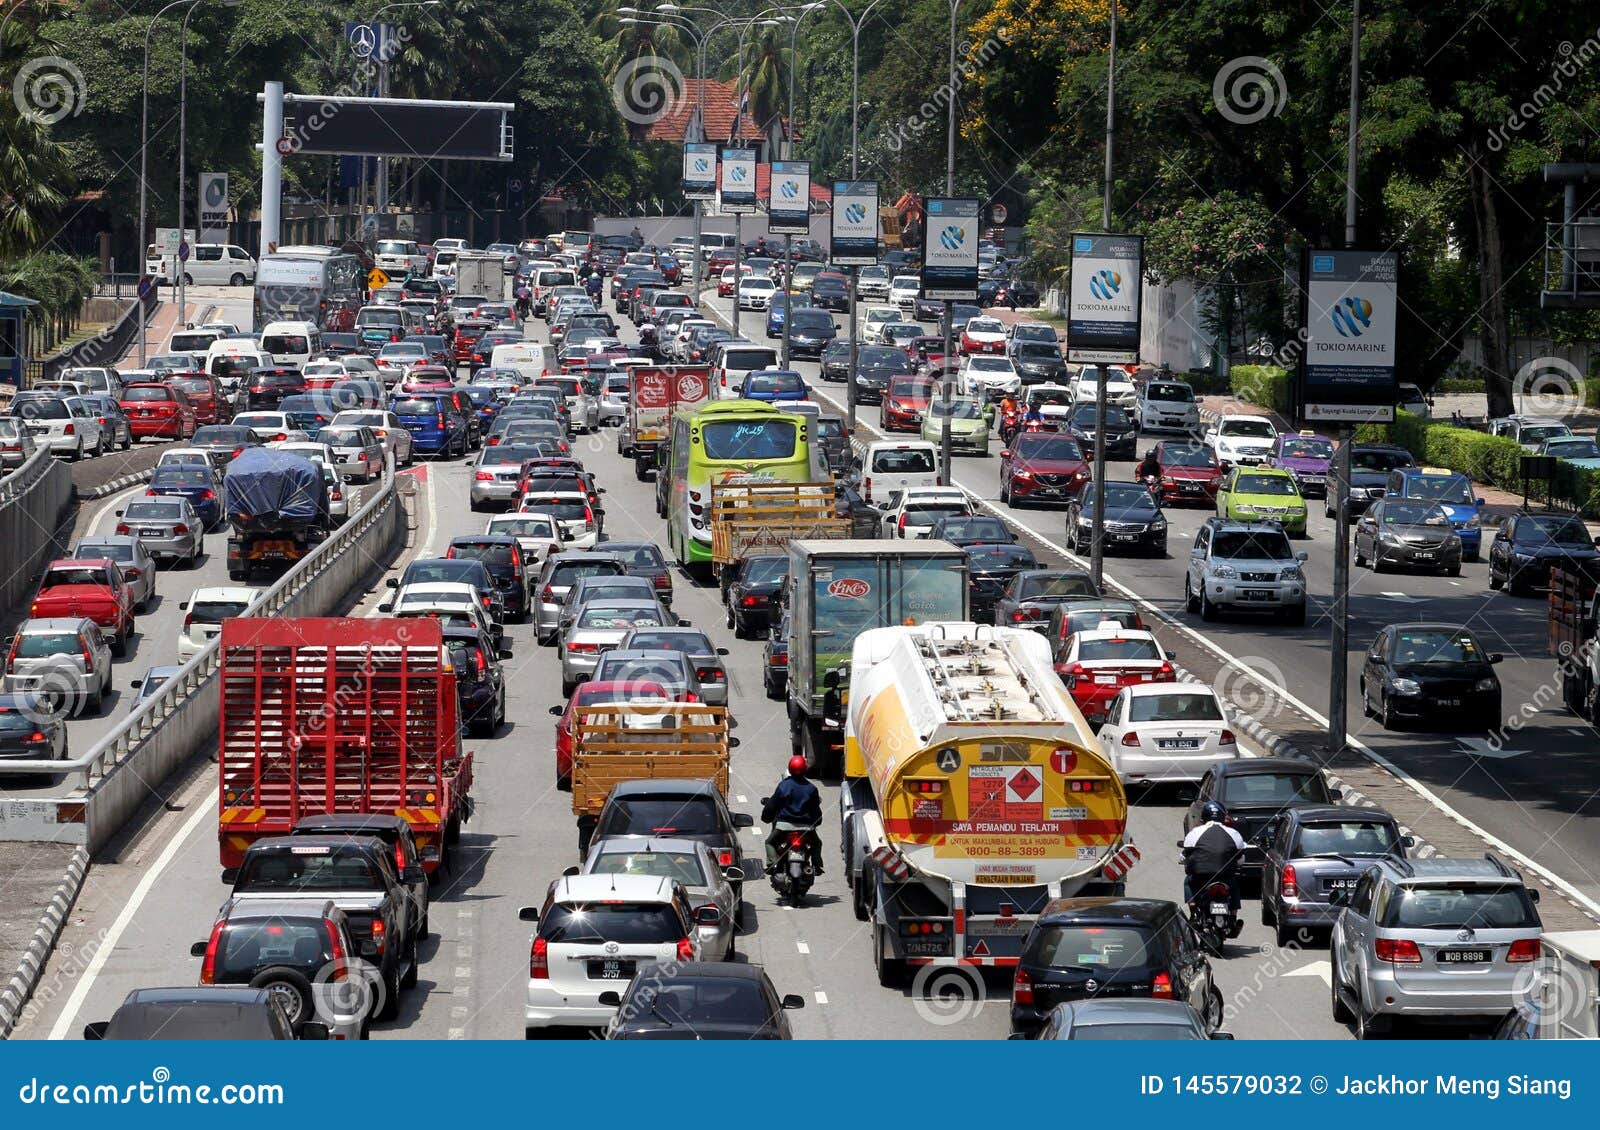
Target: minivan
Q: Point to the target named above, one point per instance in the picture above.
(738, 360)
(527, 357)
(212, 264)
(896, 465)
(291, 344)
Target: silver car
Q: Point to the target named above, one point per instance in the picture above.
(386, 426)
(16, 442)
(138, 566)
(560, 573)
(706, 656)
(604, 586)
(538, 535)
(357, 449)
(1437, 937)
(62, 660)
(690, 863)
(338, 497)
(614, 399)
(168, 526)
(597, 626)
(584, 409)
(1309, 853)
(496, 474)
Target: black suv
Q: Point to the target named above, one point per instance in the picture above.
(502, 557)
(480, 680)
(1109, 947)
(750, 593)
(689, 810)
(1253, 792)
(267, 388)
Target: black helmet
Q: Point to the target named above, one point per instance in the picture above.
(1212, 812)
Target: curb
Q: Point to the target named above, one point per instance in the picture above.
(22, 983)
(122, 483)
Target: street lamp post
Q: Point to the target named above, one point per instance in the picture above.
(381, 188)
(788, 153)
(1097, 537)
(949, 385)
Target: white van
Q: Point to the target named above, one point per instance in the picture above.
(545, 281)
(291, 343)
(896, 465)
(210, 264)
(738, 360)
(95, 379)
(192, 341)
(444, 262)
(711, 241)
(530, 358)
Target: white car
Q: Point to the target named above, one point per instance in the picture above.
(913, 512)
(271, 427)
(204, 612)
(1157, 732)
(358, 451)
(755, 292)
(571, 509)
(310, 449)
(444, 600)
(400, 257)
(1167, 406)
(595, 934)
(386, 426)
(1119, 389)
(1241, 439)
(338, 500)
(903, 291)
(872, 282)
(678, 346)
(899, 464)
(874, 318)
(63, 424)
(324, 371)
(179, 456)
(538, 535)
(989, 377)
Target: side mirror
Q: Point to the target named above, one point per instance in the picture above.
(315, 1030)
(198, 949)
(528, 914)
(557, 711)
(683, 622)
(744, 819)
(119, 513)
(1019, 1036)
(1222, 1035)
(733, 743)
(96, 1030)
(830, 680)
(610, 998)
(793, 1000)
(571, 871)
(386, 606)
(392, 582)
(733, 874)
(707, 916)
(1533, 893)
(1408, 841)
(1495, 657)
(1480, 502)
(183, 607)
(413, 874)
(724, 651)
(1005, 453)
(1302, 556)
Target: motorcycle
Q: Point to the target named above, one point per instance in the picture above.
(792, 873)
(1211, 914)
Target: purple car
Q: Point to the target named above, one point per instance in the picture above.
(1308, 457)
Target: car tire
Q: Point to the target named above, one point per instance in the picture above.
(408, 979)
(1214, 1013)
(1386, 717)
(1296, 616)
(1191, 603)
(1208, 611)
(188, 279)
(390, 1007)
(891, 971)
(1454, 570)
(1370, 1026)
(119, 644)
(1357, 556)
(1283, 934)
(1366, 704)
(292, 987)
(1266, 911)
(237, 280)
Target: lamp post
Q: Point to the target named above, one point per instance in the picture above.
(788, 153)
(1097, 537)
(949, 386)
(381, 189)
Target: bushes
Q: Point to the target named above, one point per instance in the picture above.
(1460, 384)
(1264, 385)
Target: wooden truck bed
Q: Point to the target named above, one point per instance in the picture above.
(748, 517)
(628, 742)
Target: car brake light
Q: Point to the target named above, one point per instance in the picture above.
(588, 518)
(336, 944)
(1401, 951)
(380, 935)
(180, 528)
(1289, 882)
(208, 968)
(708, 674)
(1071, 673)
(539, 960)
(1227, 738)
(1131, 738)
(1022, 988)
(1164, 671)
(69, 430)
(399, 858)
(1162, 986)
(122, 528)
(685, 949)
(151, 494)
(902, 522)
(1524, 949)
(586, 648)
(549, 594)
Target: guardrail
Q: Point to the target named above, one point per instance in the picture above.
(117, 775)
(33, 499)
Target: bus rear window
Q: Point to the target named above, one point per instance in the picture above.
(749, 439)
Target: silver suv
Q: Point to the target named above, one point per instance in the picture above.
(1247, 567)
(1436, 937)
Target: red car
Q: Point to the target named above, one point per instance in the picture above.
(204, 393)
(157, 409)
(468, 331)
(1042, 467)
(1099, 664)
(91, 587)
(630, 692)
(904, 403)
(1189, 472)
(720, 258)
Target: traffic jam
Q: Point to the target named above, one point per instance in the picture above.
(692, 711)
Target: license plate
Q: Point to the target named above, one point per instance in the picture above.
(1257, 594)
(1449, 702)
(612, 969)
(1105, 680)
(1125, 537)
(919, 948)
(1180, 743)
(1050, 491)
(1339, 885)
(1463, 957)
(35, 429)
(1219, 908)
(147, 533)
(1423, 556)
(1190, 487)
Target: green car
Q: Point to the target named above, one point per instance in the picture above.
(969, 424)
(1262, 493)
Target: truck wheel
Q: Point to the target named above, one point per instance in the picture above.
(891, 971)
(452, 829)
(640, 471)
(236, 574)
(391, 997)
(291, 989)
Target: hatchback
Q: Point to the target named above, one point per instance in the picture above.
(686, 861)
(30, 731)
(65, 660)
(703, 1002)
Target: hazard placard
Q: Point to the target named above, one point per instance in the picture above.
(376, 279)
(1005, 792)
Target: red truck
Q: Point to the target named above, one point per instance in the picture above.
(339, 715)
(655, 393)
(1574, 623)
(93, 588)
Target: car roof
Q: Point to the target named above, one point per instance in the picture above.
(236, 909)
(1156, 690)
(54, 624)
(1109, 910)
(712, 970)
(665, 786)
(199, 994)
(1250, 766)
(619, 845)
(300, 843)
(1113, 634)
(633, 888)
(1313, 814)
(352, 820)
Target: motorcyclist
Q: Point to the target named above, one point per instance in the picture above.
(795, 804)
(1034, 416)
(594, 285)
(1149, 467)
(1211, 854)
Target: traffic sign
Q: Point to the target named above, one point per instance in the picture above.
(286, 146)
(147, 287)
(183, 252)
(376, 279)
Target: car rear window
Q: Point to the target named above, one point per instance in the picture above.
(180, 477)
(86, 575)
(1273, 788)
(1174, 708)
(604, 617)
(1060, 585)
(194, 386)
(158, 511)
(42, 645)
(488, 554)
(1451, 906)
(913, 461)
(216, 611)
(286, 343)
(631, 923)
(19, 721)
(307, 869)
(1346, 837)
(416, 406)
(660, 816)
(134, 395)
(1134, 649)
(1092, 947)
(569, 574)
(927, 515)
(246, 947)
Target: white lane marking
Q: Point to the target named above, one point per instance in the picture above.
(457, 1034)
(68, 1020)
(802, 947)
(463, 973)
(433, 517)
(1400, 774)
(111, 503)
(741, 799)
(1322, 969)
(822, 997)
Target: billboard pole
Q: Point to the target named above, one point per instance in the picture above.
(853, 243)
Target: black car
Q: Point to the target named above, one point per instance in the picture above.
(750, 590)
(866, 520)
(1120, 435)
(1529, 545)
(1370, 464)
(775, 660)
(284, 947)
(1031, 597)
(1039, 362)
(480, 679)
(207, 1012)
(223, 442)
(336, 345)
(990, 569)
(830, 293)
(28, 733)
(927, 309)
(267, 388)
(502, 557)
(643, 559)
(1255, 790)
(1109, 947)
(834, 436)
(960, 314)
(836, 362)
(1133, 520)
(702, 1001)
(810, 332)
(1416, 673)
(971, 529)
(689, 810)
(876, 365)
(394, 831)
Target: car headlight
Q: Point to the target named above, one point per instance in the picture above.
(1406, 686)
(1389, 537)
(1292, 573)
(1224, 572)
(1159, 525)
(1518, 555)
(1487, 683)
(1241, 508)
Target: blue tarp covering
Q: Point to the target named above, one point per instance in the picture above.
(263, 487)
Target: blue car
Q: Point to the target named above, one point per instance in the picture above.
(193, 481)
(486, 401)
(310, 412)
(436, 427)
(1453, 492)
(773, 385)
(777, 308)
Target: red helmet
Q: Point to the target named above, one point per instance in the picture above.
(797, 765)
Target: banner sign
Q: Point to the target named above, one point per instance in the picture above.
(699, 171)
(789, 198)
(950, 250)
(1348, 307)
(214, 207)
(1104, 309)
(854, 235)
(738, 180)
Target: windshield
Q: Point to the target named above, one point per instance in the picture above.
(963, 409)
(748, 439)
(1254, 429)
(988, 558)
(305, 869)
(1271, 545)
(989, 364)
(1396, 513)
(1264, 484)
(1307, 449)
(1346, 837)
(1380, 462)
(1534, 433)
(40, 645)
(1451, 906)
(660, 816)
(1453, 489)
(1163, 390)
(1413, 647)
(1083, 416)
(1048, 447)
(1185, 707)
(1563, 531)
(682, 866)
(812, 320)
(1123, 496)
(1273, 789)
(1573, 448)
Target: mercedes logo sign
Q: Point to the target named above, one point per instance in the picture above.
(363, 40)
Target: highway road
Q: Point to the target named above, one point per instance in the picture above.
(139, 912)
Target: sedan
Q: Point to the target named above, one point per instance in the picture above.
(194, 482)
(1133, 520)
(755, 292)
(1412, 533)
(972, 529)
(983, 335)
(690, 863)
(636, 694)
(990, 569)
(1125, 1018)
(1416, 673)
(597, 627)
(1032, 596)
(1190, 472)
(223, 442)
(269, 427)
(169, 527)
(707, 658)
(1161, 732)
(968, 422)
(1529, 545)
(1099, 664)
(750, 593)
(28, 733)
(397, 442)
(16, 443)
(357, 449)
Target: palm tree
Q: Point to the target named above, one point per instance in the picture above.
(766, 75)
(35, 169)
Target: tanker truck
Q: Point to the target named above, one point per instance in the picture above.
(973, 795)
